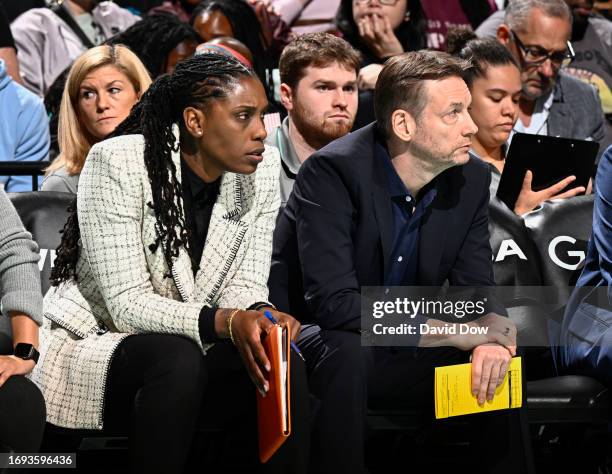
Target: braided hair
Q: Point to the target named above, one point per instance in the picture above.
(154, 37)
(247, 29)
(196, 82)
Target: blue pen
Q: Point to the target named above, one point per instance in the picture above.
(293, 344)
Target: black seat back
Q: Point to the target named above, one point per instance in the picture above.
(561, 230)
(43, 214)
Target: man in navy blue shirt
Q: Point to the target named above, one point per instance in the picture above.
(396, 203)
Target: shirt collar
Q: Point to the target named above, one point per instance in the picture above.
(199, 189)
(287, 151)
(395, 185)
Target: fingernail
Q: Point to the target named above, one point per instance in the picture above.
(261, 392)
(268, 367)
(266, 387)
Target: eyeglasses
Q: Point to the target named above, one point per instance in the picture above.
(388, 3)
(535, 55)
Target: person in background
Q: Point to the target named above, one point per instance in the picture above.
(24, 129)
(48, 40)
(8, 51)
(181, 8)
(22, 407)
(495, 84)
(553, 103)
(103, 85)
(379, 29)
(444, 14)
(592, 43)
(306, 16)
(235, 18)
(159, 41)
(319, 90)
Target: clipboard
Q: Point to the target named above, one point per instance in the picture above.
(274, 410)
(453, 391)
(550, 159)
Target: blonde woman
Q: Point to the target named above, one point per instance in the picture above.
(103, 85)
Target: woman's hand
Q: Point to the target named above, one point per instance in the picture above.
(248, 329)
(11, 365)
(285, 319)
(368, 76)
(379, 37)
(529, 199)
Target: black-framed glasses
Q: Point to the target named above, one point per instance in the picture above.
(536, 55)
(388, 3)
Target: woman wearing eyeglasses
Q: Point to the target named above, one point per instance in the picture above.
(495, 85)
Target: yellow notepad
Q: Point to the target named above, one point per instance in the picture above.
(453, 391)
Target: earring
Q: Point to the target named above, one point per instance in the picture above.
(407, 16)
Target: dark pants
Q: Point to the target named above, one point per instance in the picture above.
(347, 378)
(160, 387)
(22, 416)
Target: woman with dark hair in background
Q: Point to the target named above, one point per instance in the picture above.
(159, 41)
(236, 18)
(181, 8)
(495, 85)
(379, 29)
(156, 318)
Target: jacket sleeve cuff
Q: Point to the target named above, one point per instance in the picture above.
(261, 304)
(207, 325)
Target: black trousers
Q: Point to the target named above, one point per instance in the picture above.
(160, 388)
(347, 378)
(22, 416)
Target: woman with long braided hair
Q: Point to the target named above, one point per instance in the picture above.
(164, 262)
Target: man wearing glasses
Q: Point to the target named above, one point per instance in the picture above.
(537, 32)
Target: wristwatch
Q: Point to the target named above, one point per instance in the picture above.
(26, 352)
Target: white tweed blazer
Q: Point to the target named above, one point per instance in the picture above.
(120, 287)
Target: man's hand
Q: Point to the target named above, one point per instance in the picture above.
(529, 199)
(499, 330)
(377, 34)
(368, 76)
(490, 363)
(11, 365)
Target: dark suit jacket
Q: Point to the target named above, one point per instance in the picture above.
(335, 234)
(576, 112)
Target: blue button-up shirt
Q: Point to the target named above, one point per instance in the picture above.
(407, 214)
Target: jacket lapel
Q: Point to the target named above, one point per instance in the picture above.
(181, 264)
(225, 234)
(382, 207)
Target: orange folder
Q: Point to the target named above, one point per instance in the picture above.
(274, 410)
